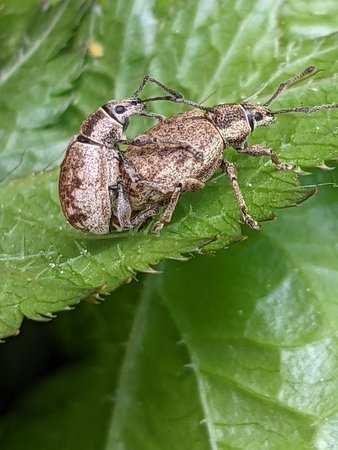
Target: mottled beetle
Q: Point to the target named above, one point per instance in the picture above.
(90, 178)
(157, 175)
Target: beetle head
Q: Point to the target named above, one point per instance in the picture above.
(121, 110)
(258, 116)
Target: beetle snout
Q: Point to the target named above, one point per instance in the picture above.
(269, 119)
(136, 102)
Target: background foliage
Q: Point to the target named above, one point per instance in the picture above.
(236, 350)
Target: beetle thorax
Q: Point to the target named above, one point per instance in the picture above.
(101, 128)
(231, 122)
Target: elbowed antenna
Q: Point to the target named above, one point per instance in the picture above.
(309, 70)
(306, 109)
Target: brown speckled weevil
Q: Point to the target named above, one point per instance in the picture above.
(89, 181)
(158, 175)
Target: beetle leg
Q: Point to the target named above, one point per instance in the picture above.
(128, 168)
(174, 95)
(123, 208)
(117, 193)
(144, 139)
(190, 184)
(261, 150)
(163, 188)
(231, 172)
(144, 215)
(159, 117)
(159, 83)
(166, 216)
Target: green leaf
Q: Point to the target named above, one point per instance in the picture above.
(238, 350)
(52, 77)
(45, 53)
(235, 350)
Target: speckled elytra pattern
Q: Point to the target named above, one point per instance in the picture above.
(168, 166)
(225, 125)
(83, 182)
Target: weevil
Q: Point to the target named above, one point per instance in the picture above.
(89, 180)
(158, 175)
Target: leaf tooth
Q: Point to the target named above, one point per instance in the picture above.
(325, 167)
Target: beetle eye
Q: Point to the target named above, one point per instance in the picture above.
(258, 116)
(120, 109)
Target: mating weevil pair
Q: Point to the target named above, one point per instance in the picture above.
(90, 172)
(102, 188)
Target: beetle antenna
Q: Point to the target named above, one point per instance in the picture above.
(176, 100)
(141, 87)
(309, 70)
(155, 99)
(306, 109)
